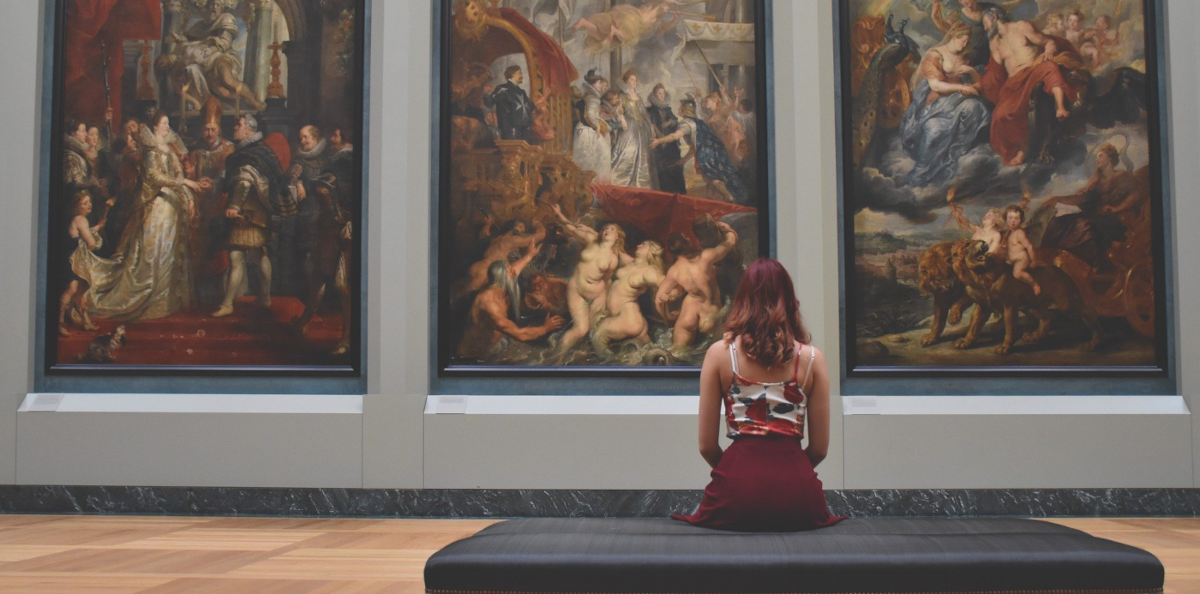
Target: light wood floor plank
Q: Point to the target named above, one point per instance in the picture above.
(19, 584)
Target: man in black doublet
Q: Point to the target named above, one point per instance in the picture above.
(514, 109)
(670, 170)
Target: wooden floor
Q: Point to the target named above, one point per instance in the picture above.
(153, 555)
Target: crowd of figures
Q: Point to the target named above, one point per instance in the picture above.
(977, 85)
(159, 226)
(624, 138)
(628, 140)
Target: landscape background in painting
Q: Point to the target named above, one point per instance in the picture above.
(157, 290)
(924, 166)
(659, 209)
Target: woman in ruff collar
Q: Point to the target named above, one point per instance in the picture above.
(149, 276)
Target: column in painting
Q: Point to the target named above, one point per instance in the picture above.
(260, 35)
(172, 24)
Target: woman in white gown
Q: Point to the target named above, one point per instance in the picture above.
(149, 276)
(631, 153)
(592, 149)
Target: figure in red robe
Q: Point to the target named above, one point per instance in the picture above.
(1023, 58)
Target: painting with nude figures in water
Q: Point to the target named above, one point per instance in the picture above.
(604, 181)
(205, 188)
(1003, 202)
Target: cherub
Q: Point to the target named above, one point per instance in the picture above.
(1097, 42)
(1020, 249)
(989, 230)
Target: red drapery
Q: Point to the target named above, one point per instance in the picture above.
(1011, 95)
(659, 214)
(89, 23)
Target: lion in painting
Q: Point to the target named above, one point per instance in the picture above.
(937, 279)
(989, 282)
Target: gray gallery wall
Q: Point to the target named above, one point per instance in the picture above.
(388, 439)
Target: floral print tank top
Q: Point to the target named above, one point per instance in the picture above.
(761, 408)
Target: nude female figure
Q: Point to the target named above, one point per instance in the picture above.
(587, 291)
(625, 319)
(694, 277)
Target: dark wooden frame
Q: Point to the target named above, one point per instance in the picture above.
(1160, 378)
(480, 379)
(306, 379)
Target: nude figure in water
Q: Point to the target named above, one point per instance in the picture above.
(694, 277)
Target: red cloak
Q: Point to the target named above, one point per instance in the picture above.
(1011, 94)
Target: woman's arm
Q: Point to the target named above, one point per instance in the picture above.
(581, 232)
(818, 411)
(710, 403)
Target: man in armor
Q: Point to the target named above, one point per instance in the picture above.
(254, 180)
(514, 109)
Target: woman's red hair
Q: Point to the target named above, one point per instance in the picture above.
(766, 314)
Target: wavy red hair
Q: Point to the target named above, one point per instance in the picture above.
(766, 314)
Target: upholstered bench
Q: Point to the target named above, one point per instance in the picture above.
(858, 555)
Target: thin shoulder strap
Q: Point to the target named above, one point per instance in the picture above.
(733, 356)
(812, 355)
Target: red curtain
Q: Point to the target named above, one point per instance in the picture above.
(89, 25)
(553, 62)
(659, 214)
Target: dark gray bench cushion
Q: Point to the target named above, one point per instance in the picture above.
(563, 555)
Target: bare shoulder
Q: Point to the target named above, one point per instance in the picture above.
(817, 355)
(716, 359)
(718, 348)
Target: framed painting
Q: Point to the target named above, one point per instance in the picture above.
(1003, 194)
(203, 210)
(605, 176)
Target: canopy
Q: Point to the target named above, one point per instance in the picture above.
(723, 43)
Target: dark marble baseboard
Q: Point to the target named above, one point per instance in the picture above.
(485, 503)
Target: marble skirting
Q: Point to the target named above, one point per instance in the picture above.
(438, 503)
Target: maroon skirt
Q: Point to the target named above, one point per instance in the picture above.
(763, 484)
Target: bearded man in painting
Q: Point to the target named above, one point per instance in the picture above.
(514, 109)
(489, 322)
(1024, 62)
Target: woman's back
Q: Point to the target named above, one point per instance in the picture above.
(770, 384)
(768, 407)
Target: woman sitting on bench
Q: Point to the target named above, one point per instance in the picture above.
(770, 379)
